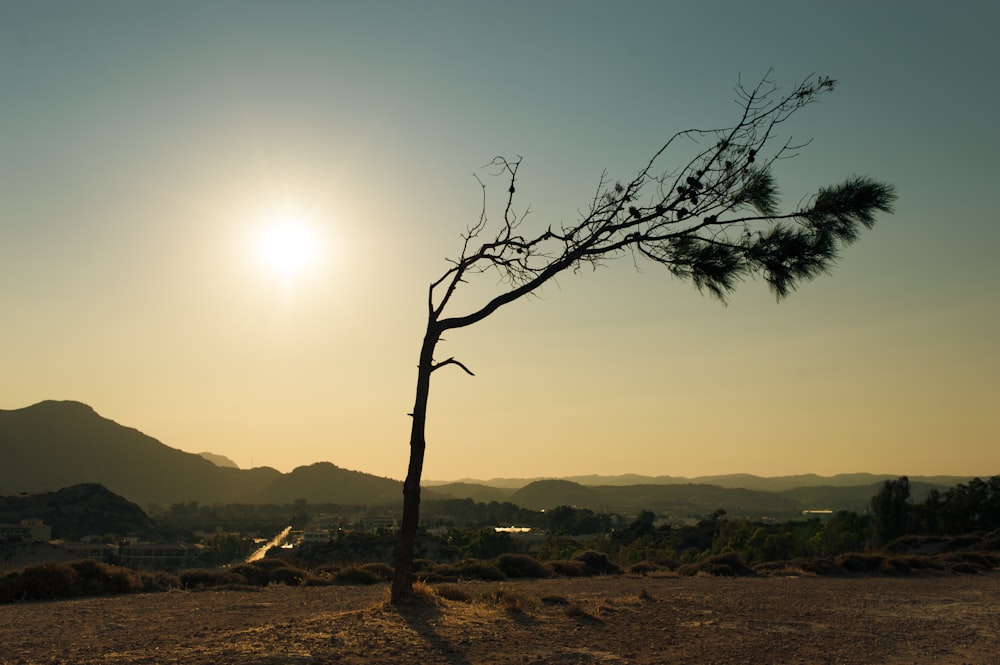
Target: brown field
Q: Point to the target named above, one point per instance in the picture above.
(944, 619)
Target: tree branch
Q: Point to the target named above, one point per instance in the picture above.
(451, 361)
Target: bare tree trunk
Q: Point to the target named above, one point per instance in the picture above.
(402, 581)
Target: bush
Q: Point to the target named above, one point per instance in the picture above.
(48, 580)
(420, 565)
(729, 564)
(158, 581)
(383, 570)
(356, 575)
(861, 563)
(251, 573)
(512, 600)
(97, 578)
(200, 578)
(452, 592)
(86, 577)
(821, 566)
(271, 563)
(438, 574)
(476, 569)
(991, 541)
(569, 568)
(287, 576)
(648, 567)
(41, 582)
(522, 565)
(969, 562)
(598, 563)
(328, 569)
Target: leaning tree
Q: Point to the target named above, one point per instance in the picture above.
(713, 219)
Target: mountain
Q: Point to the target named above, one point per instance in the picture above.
(475, 491)
(52, 444)
(219, 460)
(682, 500)
(327, 483)
(545, 494)
(735, 481)
(855, 497)
(78, 511)
(57, 444)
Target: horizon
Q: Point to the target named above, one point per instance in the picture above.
(206, 454)
(227, 245)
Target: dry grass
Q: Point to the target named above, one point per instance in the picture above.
(941, 619)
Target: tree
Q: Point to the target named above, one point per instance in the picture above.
(714, 220)
(891, 510)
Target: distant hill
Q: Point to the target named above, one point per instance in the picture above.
(219, 460)
(545, 494)
(855, 497)
(324, 482)
(475, 491)
(52, 444)
(677, 499)
(78, 511)
(736, 480)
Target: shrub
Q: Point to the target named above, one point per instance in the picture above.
(287, 576)
(251, 573)
(522, 565)
(648, 567)
(512, 600)
(99, 578)
(158, 581)
(991, 541)
(420, 565)
(963, 543)
(383, 570)
(860, 563)
(466, 569)
(271, 563)
(598, 563)
(569, 568)
(438, 573)
(903, 564)
(476, 569)
(816, 566)
(453, 592)
(969, 562)
(200, 578)
(328, 569)
(356, 575)
(729, 564)
(85, 577)
(317, 580)
(46, 581)
(821, 566)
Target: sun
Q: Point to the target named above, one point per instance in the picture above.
(289, 245)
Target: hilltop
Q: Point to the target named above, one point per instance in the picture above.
(56, 444)
(80, 510)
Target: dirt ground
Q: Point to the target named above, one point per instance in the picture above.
(945, 620)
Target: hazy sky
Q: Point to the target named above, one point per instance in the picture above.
(145, 146)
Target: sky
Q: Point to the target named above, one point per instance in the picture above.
(148, 150)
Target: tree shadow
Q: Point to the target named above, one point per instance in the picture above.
(421, 619)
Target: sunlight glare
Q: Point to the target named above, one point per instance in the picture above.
(289, 245)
